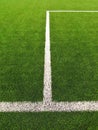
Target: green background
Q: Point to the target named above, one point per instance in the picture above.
(23, 15)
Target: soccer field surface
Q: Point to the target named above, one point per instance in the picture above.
(74, 55)
(48, 56)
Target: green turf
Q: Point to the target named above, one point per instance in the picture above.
(49, 121)
(74, 47)
(22, 30)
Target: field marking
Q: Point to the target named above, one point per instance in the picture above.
(47, 104)
(52, 107)
(20, 106)
(47, 91)
(75, 11)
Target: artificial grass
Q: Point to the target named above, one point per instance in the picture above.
(22, 30)
(74, 48)
(22, 36)
(49, 121)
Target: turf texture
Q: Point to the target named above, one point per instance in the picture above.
(74, 47)
(21, 51)
(49, 121)
(22, 39)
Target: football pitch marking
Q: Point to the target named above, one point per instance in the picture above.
(47, 104)
(47, 92)
(75, 11)
(51, 107)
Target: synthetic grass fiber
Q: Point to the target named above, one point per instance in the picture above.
(74, 47)
(22, 41)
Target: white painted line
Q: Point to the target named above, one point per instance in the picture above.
(52, 107)
(75, 11)
(47, 91)
(72, 106)
(21, 107)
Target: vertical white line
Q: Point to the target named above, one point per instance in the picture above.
(47, 92)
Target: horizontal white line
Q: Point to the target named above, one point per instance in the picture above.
(75, 11)
(73, 106)
(20, 106)
(51, 107)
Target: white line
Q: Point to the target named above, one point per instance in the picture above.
(72, 106)
(20, 107)
(47, 92)
(52, 107)
(75, 11)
